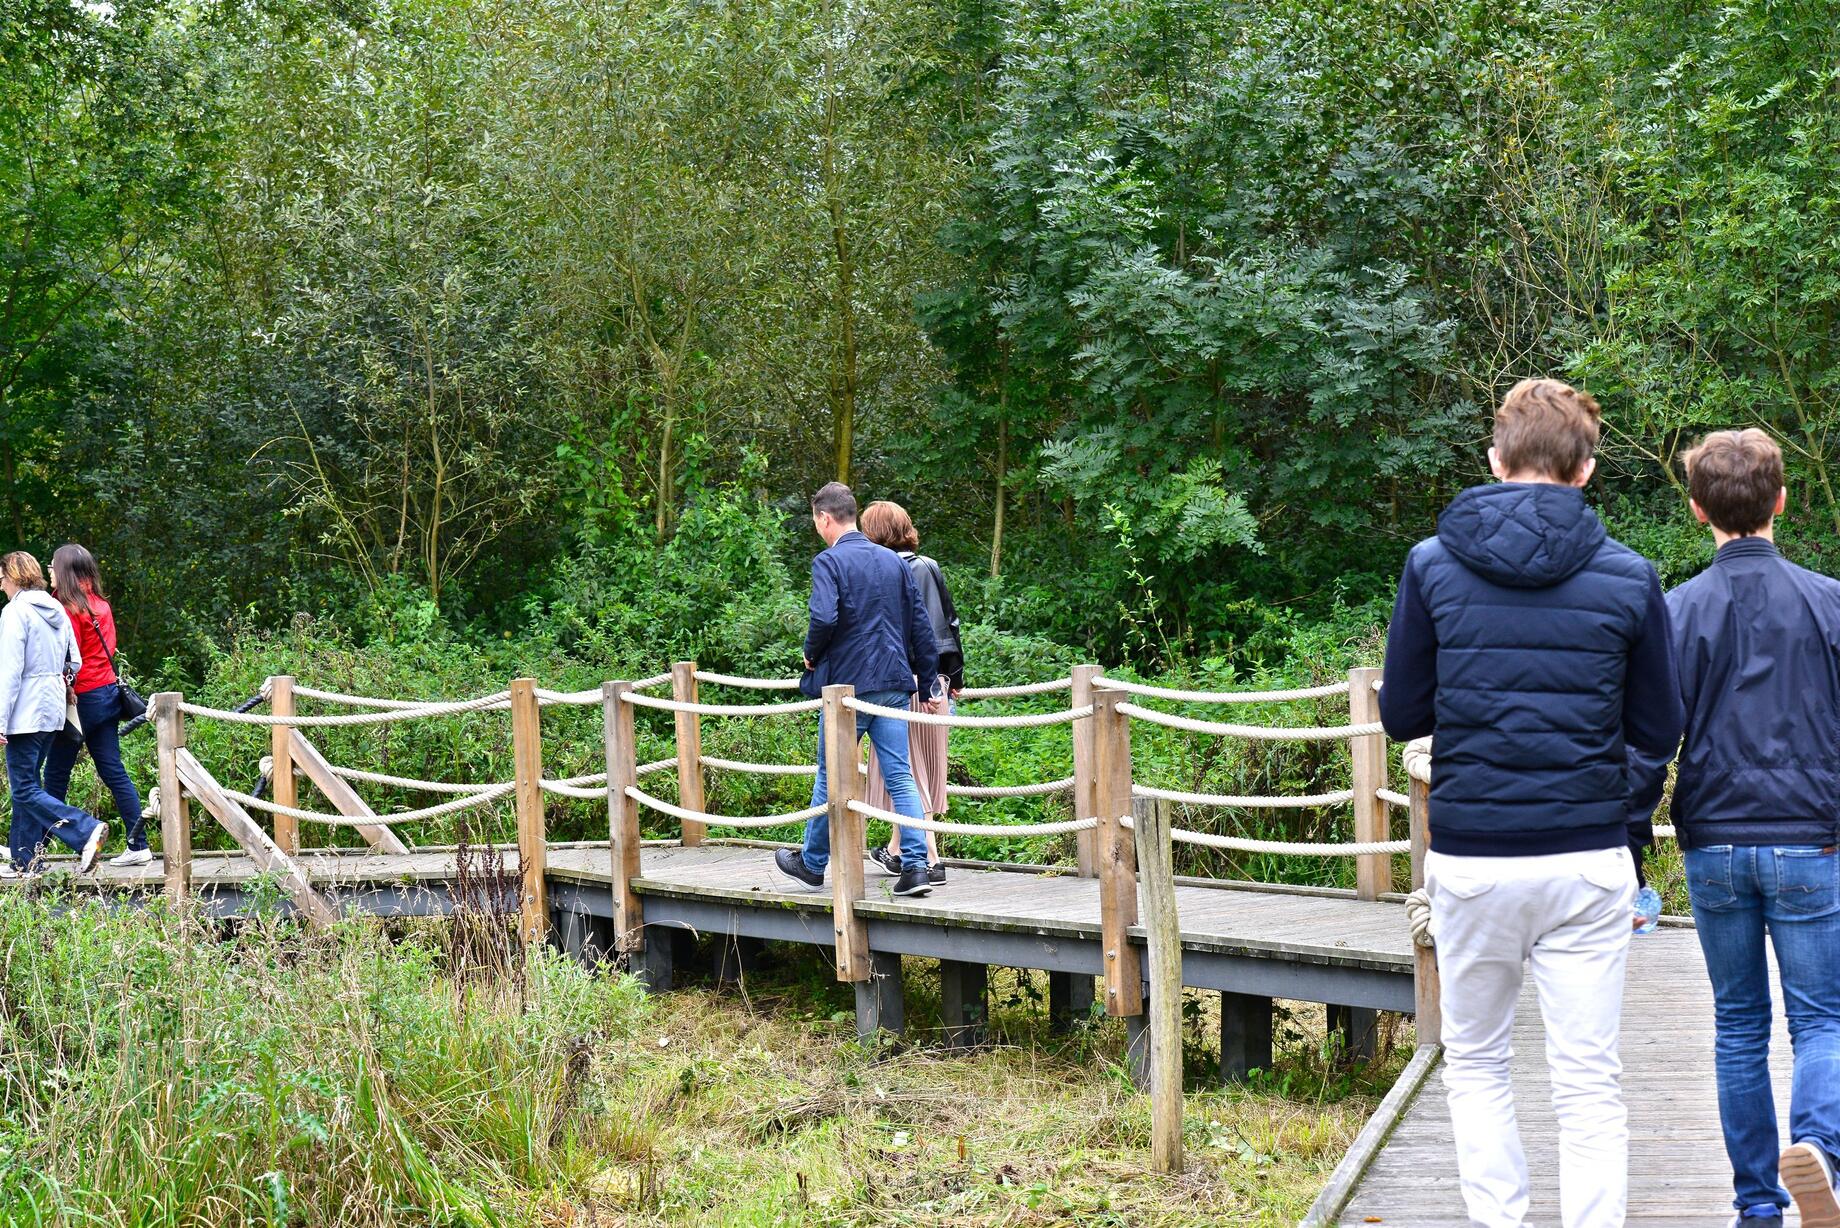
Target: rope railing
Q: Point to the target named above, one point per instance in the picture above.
(1255, 733)
(568, 698)
(991, 791)
(1290, 848)
(489, 794)
(371, 701)
(720, 820)
(1252, 802)
(1012, 692)
(677, 705)
(1220, 697)
(751, 684)
(501, 699)
(973, 829)
(1392, 798)
(759, 769)
(1025, 721)
(405, 782)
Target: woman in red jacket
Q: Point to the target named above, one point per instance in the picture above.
(77, 583)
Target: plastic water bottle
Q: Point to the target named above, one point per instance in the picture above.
(1648, 910)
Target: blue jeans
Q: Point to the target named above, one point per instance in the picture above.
(100, 712)
(890, 739)
(36, 813)
(1792, 894)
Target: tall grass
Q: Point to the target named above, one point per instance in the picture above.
(156, 1070)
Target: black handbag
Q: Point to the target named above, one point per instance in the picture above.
(129, 707)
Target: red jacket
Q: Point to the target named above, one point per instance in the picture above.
(96, 669)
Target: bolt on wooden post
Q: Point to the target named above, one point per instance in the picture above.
(689, 752)
(175, 810)
(1373, 874)
(1084, 802)
(622, 816)
(527, 774)
(845, 786)
(281, 784)
(1117, 860)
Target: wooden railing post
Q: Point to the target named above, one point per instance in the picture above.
(845, 786)
(1373, 874)
(1084, 803)
(689, 751)
(1163, 931)
(1117, 860)
(281, 749)
(622, 816)
(175, 810)
(527, 773)
(1427, 992)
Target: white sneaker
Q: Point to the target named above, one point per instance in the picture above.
(133, 857)
(1808, 1175)
(92, 848)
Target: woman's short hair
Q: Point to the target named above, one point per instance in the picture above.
(888, 524)
(22, 569)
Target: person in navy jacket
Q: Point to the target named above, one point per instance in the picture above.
(868, 629)
(1756, 809)
(1536, 650)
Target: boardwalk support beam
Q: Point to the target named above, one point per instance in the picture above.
(265, 853)
(1117, 859)
(1359, 1027)
(527, 773)
(1163, 934)
(1070, 1000)
(1245, 1035)
(880, 1004)
(962, 988)
(281, 749)
(1084, 801)
(175, 810)
(315, 767)
(840, 760)
(622, 817)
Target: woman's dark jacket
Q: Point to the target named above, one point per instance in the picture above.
(943, 615)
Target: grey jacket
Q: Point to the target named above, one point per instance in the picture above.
(38, 658)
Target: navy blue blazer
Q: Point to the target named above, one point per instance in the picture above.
(869, 628)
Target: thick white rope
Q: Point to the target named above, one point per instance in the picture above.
(1221, 697)
(1240, 844)
(491, 794)
(1391, 798)
(593, 787)
(971, 722)
(404, 782)
(1257, 733)
(974, 829)
(751, 684)
(719, 820)
(646, 684)
(501, 700)
(674, 705)
(569, 697)
(1050, 786)
(1416, 755)
(761, 769)
(1254, 802)
(368, 701)
(1418, 916)
(1010, 692)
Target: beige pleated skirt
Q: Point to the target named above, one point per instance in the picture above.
(926, 751)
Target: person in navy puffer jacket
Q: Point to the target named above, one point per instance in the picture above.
(1537, 650)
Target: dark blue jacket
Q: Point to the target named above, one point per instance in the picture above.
(1536, 649)
(869, 628)
(1757, 640)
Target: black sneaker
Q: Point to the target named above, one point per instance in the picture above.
(913, 882)
(936, 873)
(791, 864)
(890, 863)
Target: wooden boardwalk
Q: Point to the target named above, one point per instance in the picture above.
(1678, 1171)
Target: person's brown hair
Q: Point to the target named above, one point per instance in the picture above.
(76, 578)
(835, 500)
(22, 569)
(888, 524)
(1735, 477)
(1547, 427)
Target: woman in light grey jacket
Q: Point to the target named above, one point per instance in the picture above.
(38, 658)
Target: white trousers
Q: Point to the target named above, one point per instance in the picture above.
(1569, 915)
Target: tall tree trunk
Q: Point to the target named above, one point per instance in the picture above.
(667, 497)
(996, 528)
(843, 384)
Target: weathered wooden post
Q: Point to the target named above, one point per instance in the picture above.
(1427, 991)
(1117, 861)
(1163, 931)
(527, 775)
(1083, 802)
(844, 785)
(1373, 873)
(175, 810)
(689, 752)
(650, 961)
(282, 786)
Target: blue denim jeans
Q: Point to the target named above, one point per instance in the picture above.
(36, 813)
(1792, 895)
(890, 739)
(100, 712)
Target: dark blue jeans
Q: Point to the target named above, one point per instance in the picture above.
(36, 813)
(1792, 895)
(890, 738)
(100, 712)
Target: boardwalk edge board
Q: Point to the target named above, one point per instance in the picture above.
(1328, 1207)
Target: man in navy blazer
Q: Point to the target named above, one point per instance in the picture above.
(869, 629)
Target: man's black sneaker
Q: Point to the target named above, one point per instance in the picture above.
(912, 882)
(890, 863)
(936, 873)
(791, 864)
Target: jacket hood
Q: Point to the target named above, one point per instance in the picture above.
(41, 603)
(1521, 534)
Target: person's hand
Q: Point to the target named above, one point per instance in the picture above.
(957, 691)
(807, 663)
(935, 706)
